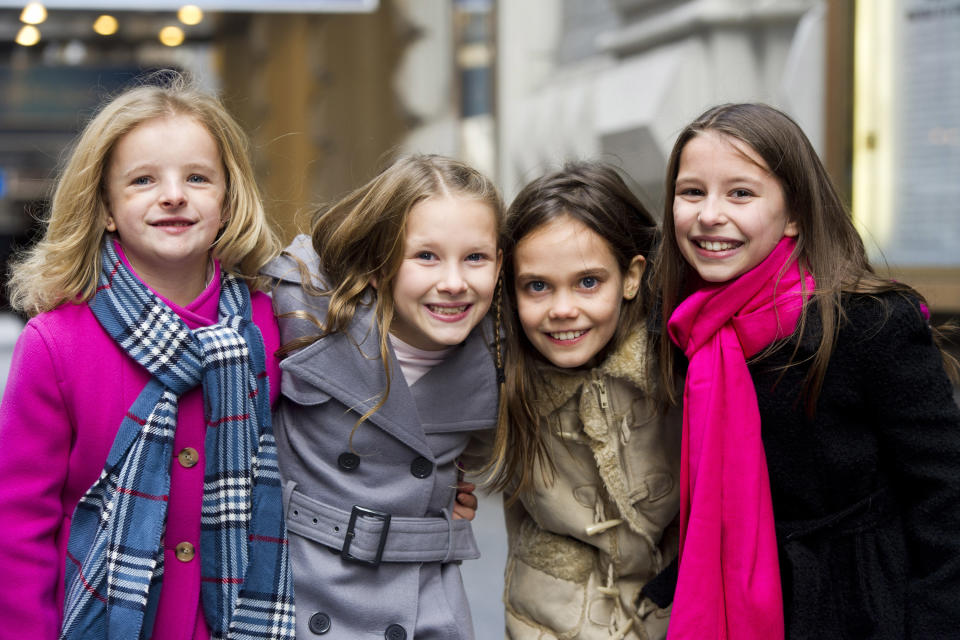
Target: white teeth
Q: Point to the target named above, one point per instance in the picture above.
(717, 246)
(448, 311)
(567, 335)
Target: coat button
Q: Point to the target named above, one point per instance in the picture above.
(319, 623)
(188, 457)
(185, 552)
(348, 461)
(395, 632)
(421, 467)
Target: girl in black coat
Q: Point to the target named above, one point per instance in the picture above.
(836, 466)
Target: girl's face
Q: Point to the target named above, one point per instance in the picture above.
(449, 272)
(729, 211)
(569, 290)
(165, 186)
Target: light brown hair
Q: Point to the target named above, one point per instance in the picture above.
(360, 240)
(828, 245)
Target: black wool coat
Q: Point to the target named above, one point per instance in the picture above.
(866, 492)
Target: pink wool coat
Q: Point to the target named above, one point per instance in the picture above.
(69, 387)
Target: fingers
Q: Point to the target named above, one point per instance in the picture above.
(465, 506)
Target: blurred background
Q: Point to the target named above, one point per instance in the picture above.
(327, 90)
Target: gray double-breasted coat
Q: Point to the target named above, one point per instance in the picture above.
(342, 481)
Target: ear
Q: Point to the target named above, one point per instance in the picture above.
(111, 225)
(632, 277)
(792, 230)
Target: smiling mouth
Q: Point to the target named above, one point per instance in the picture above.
(717, 245)
(567, 335)
(448, 311)
(171, 223)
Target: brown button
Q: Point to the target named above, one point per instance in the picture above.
(188, 457)
(185, 552)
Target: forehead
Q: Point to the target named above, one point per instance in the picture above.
(450, 217)
(564, 239)
(718, 143)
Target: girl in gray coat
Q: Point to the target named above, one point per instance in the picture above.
(388, 369)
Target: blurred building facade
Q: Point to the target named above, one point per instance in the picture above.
(515, 88)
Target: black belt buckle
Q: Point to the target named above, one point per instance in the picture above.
(363, 512)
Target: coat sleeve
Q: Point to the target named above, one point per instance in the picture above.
(919, 422)
(35, 440)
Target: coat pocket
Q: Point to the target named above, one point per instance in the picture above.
(546, 581)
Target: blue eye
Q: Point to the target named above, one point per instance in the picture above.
(537, 286)
(141, 180)
(196, 178)
(589, 282)
(475, 257)
(425, 255)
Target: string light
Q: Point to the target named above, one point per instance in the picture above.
(105, 25)
(190, 14)
(28, 36)
(33, 13)
(171, 36)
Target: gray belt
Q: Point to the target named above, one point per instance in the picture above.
(370, 536)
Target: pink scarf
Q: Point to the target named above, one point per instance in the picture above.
(729, 580)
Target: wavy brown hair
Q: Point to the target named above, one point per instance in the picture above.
(359, 240)
(65, 263)
(828, 245)
(594, 194)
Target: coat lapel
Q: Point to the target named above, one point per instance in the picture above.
(466, 385)
(332, 366)
(459, 394)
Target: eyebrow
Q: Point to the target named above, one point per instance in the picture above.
(591, 271)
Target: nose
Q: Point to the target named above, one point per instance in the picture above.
(452, 282)
(172, 195)
(563, 306)
(711, 212)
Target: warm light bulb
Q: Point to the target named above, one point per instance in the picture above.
(33, 13)
(28, 35)
(190, 14)
(105, 25)
(171, 36)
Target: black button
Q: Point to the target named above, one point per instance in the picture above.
(320, 623)
(395, 632)
(421, 467)
(348, 461)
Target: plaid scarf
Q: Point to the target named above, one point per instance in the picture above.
(115, 553)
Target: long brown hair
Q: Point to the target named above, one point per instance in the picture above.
(594, 194)
(828, 245)
(359, 240)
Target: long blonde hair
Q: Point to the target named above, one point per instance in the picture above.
(360, 240)
(64, 264)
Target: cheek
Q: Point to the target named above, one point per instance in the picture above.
(528, 314)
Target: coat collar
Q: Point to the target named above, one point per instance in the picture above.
(628, 362)
(458, 394)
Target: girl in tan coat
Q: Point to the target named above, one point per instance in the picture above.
(589, 464)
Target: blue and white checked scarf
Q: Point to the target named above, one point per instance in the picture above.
(115, 553)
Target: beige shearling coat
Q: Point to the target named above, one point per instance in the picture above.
(581, 548)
